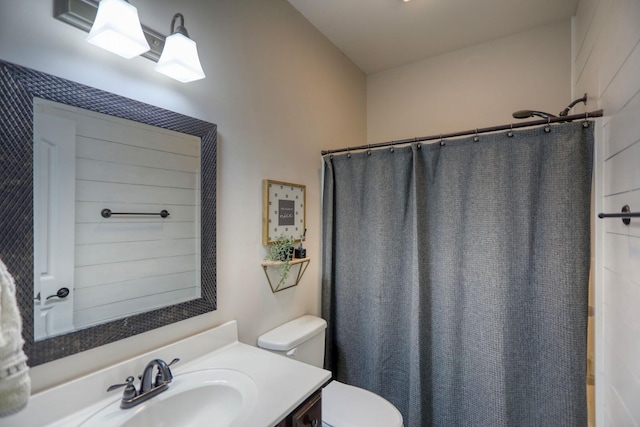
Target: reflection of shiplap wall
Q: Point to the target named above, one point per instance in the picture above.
(128, 264)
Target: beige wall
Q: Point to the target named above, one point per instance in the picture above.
(606, 63)
(279, 92)
(474, 87)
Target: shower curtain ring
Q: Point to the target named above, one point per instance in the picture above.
(510, 133)
(442, 143)
(348, 152)
(475, 138)
(368, 149)
(585, 123)
(547, 128)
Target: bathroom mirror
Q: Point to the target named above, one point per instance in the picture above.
(21, 89)
(116, 218)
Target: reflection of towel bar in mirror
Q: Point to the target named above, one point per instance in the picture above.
(626, 215)
(106, 213)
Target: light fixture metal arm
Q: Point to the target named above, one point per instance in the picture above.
(181, 28)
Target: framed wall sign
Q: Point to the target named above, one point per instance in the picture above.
(283, 210)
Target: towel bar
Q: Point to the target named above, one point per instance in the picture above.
(106, 213)
(626, 215)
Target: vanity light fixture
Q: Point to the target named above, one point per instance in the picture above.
(179, 58)
(176, 55)
(118, 30)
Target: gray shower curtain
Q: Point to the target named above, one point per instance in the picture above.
(455, 277)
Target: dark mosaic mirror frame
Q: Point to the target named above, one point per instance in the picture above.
(18, 87)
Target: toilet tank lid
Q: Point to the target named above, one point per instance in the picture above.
(292, 334)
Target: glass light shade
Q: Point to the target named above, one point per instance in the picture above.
(118, 30)
(179, 59)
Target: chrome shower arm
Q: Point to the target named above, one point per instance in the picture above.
(570, 106)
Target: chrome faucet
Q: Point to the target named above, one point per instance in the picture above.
(148, 386)
(164, 375)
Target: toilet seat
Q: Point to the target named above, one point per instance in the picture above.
(348, 406)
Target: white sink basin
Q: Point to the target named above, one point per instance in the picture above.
(208, 397)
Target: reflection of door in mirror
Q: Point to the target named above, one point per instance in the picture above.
(54, 156)
(124, 264)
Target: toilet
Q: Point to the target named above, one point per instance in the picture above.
(343, 405)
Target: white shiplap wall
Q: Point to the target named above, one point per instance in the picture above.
(606, 64)
(129, 264)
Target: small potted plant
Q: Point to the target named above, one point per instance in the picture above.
(282, 250)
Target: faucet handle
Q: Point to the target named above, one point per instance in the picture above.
(129, 389)
(173, 362)
(165, 376)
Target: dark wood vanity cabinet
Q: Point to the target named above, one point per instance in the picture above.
(308, 414)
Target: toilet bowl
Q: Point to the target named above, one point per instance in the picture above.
(348, 406)
(343, 405)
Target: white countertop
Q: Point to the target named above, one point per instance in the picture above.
(282, 383)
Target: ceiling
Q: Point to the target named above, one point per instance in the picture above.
(381, 34)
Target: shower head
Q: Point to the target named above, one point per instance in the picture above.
(525, 114)
(570, 106)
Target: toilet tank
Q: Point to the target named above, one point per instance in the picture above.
(301, 339)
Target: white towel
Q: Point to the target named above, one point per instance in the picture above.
(15, 384)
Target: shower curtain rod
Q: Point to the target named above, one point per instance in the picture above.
(562, 119)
